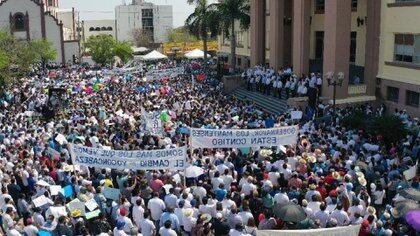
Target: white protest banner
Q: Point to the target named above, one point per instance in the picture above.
(91, 204)
(296, 115)
(410, 173)
(111, 193)
(352, 230)
(55, 189)
(40, 201)
(237, 138)
(162, 159)
(58, 211)
(152, 122)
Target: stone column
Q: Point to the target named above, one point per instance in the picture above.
(276, 33)
(373, 30)
(257, 32)
(337, 29)
(301, 35)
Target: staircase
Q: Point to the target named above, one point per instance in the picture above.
(267, 103)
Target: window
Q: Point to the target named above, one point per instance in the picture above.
(239, 61)
(97, 29)
(407, 48)
(353, 5)
(319, 6)
(239, 39)
(109, 28)
(412, 98)
(392, 94)
(103, 28)
(353, 41)
(50, 2)
(319, 44)
(19, 22)
(91, 29)
(147, 13)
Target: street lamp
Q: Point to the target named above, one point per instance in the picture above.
(334, 80)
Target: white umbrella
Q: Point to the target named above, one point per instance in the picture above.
(154, 55)
(193, 171)
(196, 53)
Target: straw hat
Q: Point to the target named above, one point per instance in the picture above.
(302, 161)
(188, 212)
(360, 174)
(206, 218)
(312, 186)
(362, 181)
(371, 210)
(336, 175)
(67, 168)
(311, 159)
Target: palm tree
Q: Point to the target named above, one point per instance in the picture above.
(229, 12)
(203, 22)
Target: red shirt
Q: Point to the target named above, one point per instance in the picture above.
(322, 191)
(156, 185)
(329, 179)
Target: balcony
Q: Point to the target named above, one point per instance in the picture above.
(356, 89)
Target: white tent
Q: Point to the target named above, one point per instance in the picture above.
(139, 49)
(196, 53)
(154, 55)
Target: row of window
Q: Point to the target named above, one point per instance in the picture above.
(407, 48)
(411, 98)
(109, 28)
(320, 6)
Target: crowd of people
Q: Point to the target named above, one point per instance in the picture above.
(339, 176)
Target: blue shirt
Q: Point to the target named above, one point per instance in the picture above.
(220, 194)
(169, 216)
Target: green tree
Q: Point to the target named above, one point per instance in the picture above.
(123, 50)
(103, 48)
(203, 22)
(181, 34)
(229, 12)
(43, 51)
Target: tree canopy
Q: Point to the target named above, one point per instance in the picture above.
(17, 56)
(181, 34)
(104, 47)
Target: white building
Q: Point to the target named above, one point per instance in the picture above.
(97, 27)
(157, 19)
(41, 19)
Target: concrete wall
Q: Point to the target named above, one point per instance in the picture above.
(128, 18)
(405, 76)
(53, 34)
(98, 23)
(163, 22)
(71, 48)
(13, 6)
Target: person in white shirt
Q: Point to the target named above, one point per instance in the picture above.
(170, 199)
(128, 224)
(248, 187)
(245, 215)
(166, 230)
(30, 229)
(138, 212)
(287, 88)
(319, 84)
(227, 179)
(322, 216)
(146, 225)
(200, 191)
(281, 197)
(119, 229)
(237, 231)
(156, 207)
(216, 181)
(189, 221)
(340, 215)
(356, 208)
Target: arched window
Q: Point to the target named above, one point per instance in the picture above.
(91, 29)
(18, 22)
(98, 29)
(103, 28)
(109, 28)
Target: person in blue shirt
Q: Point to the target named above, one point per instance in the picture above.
(170, 215)
(221, 192)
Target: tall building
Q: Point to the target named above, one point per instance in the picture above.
(376, 42)
(157, 20)
(42, 19)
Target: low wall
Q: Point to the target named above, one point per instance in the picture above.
(232, 82)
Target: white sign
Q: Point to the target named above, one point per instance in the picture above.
(352, 230)
(55, 189)
(40, 201)
(152, 122)
(162, 159)
(296, 115)
(410, 173)
(237, 138)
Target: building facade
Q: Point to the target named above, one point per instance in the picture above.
(367, 40)
(97, 27)
(157, 20)
(41, 19)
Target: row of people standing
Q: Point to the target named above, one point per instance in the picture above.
(283, 83)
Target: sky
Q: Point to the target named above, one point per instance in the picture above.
(104, 9)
